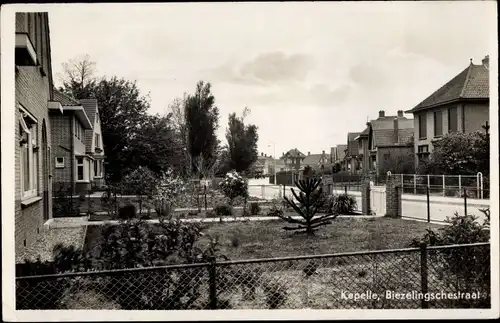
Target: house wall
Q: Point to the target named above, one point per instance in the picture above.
(471, 117)
(61, 141)
(33, 91)
(401, 160)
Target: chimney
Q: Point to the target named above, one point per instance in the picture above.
(486, 61)
(400, 113)
(261, 154)
(323, 152)
(308, 153)
(381, 114)
(396, 131)
(265, 155)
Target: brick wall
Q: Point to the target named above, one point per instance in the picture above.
(61, 142)
(393, 197)
(33, 90)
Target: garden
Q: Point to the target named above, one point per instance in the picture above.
(308, 224)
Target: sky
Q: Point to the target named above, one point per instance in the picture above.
(309, 72)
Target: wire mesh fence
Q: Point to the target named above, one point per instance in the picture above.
(427, 277)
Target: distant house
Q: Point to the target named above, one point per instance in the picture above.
(78, 146)
(337, 155)
(461, 105)
(264, 165)
(317, 162)
(293, 159)
(385, 143)
(351, 158)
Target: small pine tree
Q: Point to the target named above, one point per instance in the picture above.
(310, 200)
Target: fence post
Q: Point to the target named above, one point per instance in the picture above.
(444, 186)
(212, 273)
(459, 184)
(428, 205)
(345, 189)
(424, 273)
(205, 195)
(402, 180)
(465, 200)
(428, 180)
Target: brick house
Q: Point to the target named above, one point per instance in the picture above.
(462, 105)
(77, 141)
(34, 100)
(387, 144)
(337, 156)
(351, 158)
(318, 162)
(293, 159)
(264, 165)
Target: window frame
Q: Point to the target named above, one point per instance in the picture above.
(84, 172)
(59, 164)
(436, 113)
(420, 123)
(32, 155)
(455, 109)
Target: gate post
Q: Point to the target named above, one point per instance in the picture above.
(365, 198)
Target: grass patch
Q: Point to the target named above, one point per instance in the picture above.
(267, 239)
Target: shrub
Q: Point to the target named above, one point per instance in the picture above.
(254, 208)
(344, 204)
(235, 241)
(462, 268)
(276, 208)
(223, 209)
(234, 185)
(210, 214)
(127, 212)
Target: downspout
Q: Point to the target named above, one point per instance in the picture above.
(73, 159)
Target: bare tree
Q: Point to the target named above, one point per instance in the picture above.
(79, 70)
(78, 76)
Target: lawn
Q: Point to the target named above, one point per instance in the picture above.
(267, 239)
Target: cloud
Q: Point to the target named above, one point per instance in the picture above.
(267, 68)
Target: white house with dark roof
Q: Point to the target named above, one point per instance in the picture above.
(460, 105)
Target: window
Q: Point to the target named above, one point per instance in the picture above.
(453, 119)
(28, 156)
(422, 126)
(59, 162)
(78, 129)
(387, 157)
(96, 168)
(80, 170)
(438, 123)
(97, 140)
(423, 149)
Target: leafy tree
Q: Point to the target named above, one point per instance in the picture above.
(310, 200)
(201, 120)
(242, 142)
(131, 137)
(459, 154)
(397, 163)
